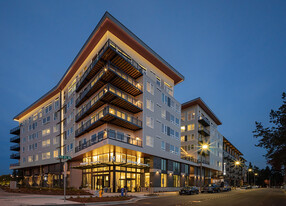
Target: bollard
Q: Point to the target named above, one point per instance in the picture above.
(100, 193)
(122, 192)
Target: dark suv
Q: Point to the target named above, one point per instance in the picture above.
(211, 188)
(189, 191)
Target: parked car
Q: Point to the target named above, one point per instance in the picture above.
(246, 187)
(189, 190)
(211, 188)
(225, 187)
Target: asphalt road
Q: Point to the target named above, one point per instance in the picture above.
(253, 197)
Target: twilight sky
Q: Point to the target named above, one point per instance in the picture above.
(232, 54)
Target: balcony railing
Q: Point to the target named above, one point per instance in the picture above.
(15, 156)
(15, 130)
(109, 134)
(15, 139)
(110, 115)
(109, 74)
(111, 95)
(204, 131)
(15, 147)
(204, 121)
(109, 44)
(15, 164)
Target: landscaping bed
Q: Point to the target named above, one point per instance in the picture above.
(45, 191)
(98, 199)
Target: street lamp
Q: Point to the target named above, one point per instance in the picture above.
(255, 174)
(249, 170)
(203, 147)
(236, 163)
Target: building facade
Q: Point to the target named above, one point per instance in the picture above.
(113, 113)
(234, 165)
(198, 129)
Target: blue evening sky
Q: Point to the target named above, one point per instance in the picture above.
(232, 54)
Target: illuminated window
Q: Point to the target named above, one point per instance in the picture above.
(191, 127)
(56, 153)
(149, 141)
(150, 88)
(150, 122)
(30, 158)
(150, 105)
(177, 180)
(46, 155)
(183, 128)
(163, 180)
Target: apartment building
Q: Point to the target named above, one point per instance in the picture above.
(201, 141)
(114, 113)
(234, 165)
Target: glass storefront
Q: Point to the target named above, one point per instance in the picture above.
(112, 172)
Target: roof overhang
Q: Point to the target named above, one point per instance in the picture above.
(203, 105)
(107, 23)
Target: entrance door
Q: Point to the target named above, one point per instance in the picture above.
(100, 182)
(130, 183)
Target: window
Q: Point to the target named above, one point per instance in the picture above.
(177, 122)
(48, 108)
(150, 105)
(35, 145)
(150, 87)
(191, 127)
(183, 117)
(168, 88)
(56, 128)
(55, 140)
(191, 115)
(183, 128)
(36, 157)
(149, 141)
(163, 180)
(158, 81)
(46, 155)
(24, 159)
(177, 180)
(30, 158)
(192, 146)
(150, 122)
(46, 132)
(176, 150)
(57, 103)
(163, 113)
(163, 145)
(172, 148)
(46, 143)
(56, 153)
(163, 164)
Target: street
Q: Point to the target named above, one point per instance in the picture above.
(254, 197)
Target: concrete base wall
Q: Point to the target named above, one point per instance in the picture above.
(166, 189)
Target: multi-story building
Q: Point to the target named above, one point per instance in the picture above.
(114, 113)
(198, 129)
(234, 167)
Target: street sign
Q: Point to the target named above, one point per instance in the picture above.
(65, 157)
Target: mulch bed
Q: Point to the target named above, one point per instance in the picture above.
(46, 191)
(98, 199)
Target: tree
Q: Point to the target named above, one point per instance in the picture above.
(273, 138)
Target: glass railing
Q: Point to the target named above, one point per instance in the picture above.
(15, 164)
(109, 134)
(98, 56)
(111, 111)
(15, 155)
(100, 74)
(201, 128)
(14, 138)
(15, 129)
(101, 93)
(17, 146)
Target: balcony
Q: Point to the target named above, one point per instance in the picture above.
(15, 147)
(110, 52)
(15, 139)
(15, 130)
(110, 74)
(15, 156)
(204, 121)
(14, 165)
(204, 131)
(110, 115)
(109, 134)
(113, 96)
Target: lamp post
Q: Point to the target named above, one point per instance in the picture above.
(255, 174)
(204, 147)
(249, 170)
(236, 163)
